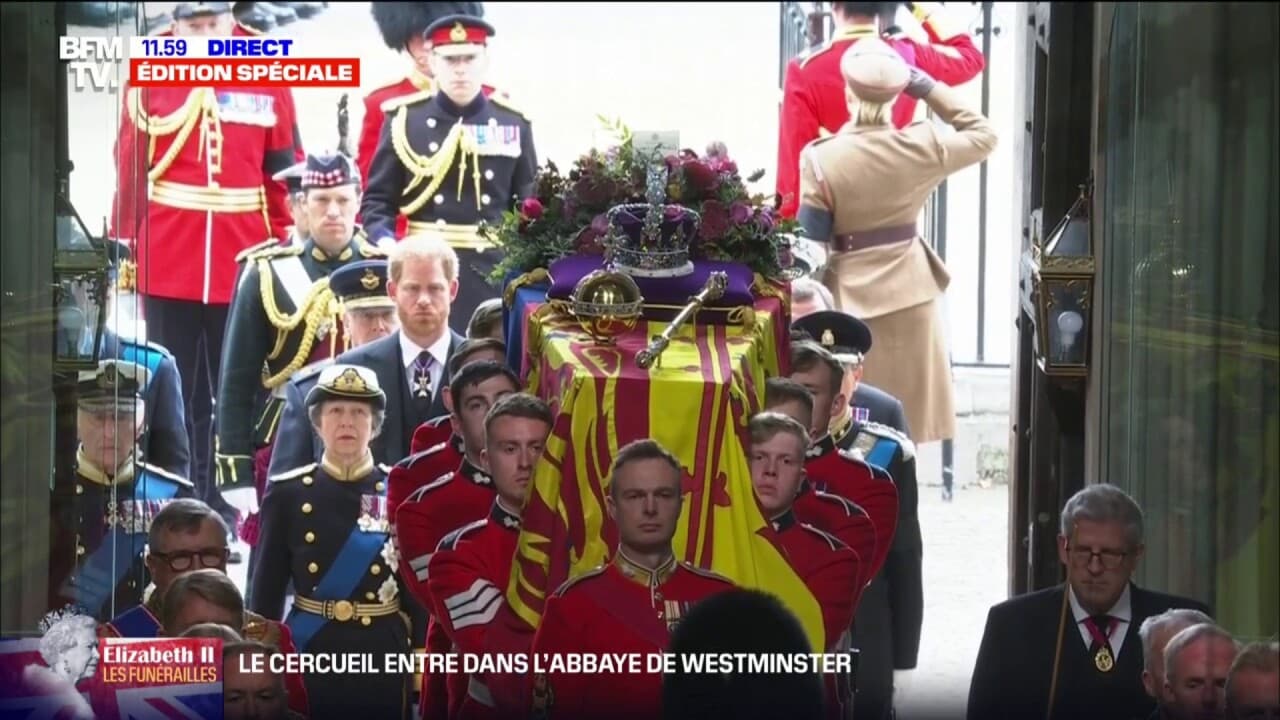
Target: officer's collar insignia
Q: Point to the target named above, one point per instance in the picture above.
(783, 521)
(458, 34)
(455, 440)
(649, 577)
(370, 280)
(841, 430)
(828, 338)
(475, 474)
(504, 517)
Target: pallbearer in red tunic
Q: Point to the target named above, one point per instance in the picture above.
(285, 317)
(628, 606)
(195, 168)
(829, 568)
(403, 26)
(470, 569)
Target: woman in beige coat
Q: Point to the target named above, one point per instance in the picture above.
(862, 190)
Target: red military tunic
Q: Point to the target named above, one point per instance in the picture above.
(467, 584)
(422, 467)
(838, 472)
(371, 127)
(831, 571)
(209, 154)
(432, 433)
(813, 92)
(622, 607)
(844, 520)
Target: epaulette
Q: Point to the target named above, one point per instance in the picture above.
(815, 53)
(450, 541)
(386, 85)
(294, 473)
(397, 102)
(853, 454)
(308, 372)
(818, 140)
(710, 574)
(502, 100)
(166, 474)
(249, 251)
(884, 431)
(848, 505)
(409, 461)
(417, 495)
(831, 540)
(564, 586)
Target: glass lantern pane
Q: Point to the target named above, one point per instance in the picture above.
(78, 301)
(1068, 320)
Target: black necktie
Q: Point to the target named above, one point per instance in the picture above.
(420, 386)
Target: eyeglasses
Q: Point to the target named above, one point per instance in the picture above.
(1110, 559)
(183, 561)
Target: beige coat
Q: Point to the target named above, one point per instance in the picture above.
(870, 178)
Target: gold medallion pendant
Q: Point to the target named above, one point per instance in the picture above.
(1103, 660)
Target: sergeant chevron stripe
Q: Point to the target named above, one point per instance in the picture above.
(476, 605)
(419, 565)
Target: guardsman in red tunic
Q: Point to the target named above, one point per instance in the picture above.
(829, 568)
(469, 572)
(630, 605)
(187, 535)
(813, 95)
(195, 168)
(832, 513)
(890, 614)
(403, 26)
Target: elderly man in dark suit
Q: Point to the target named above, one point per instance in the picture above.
(410, 363)
(1073, 651)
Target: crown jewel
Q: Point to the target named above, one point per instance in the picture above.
(652, 239)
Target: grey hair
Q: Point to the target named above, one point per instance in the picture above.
(1263, 657)
(1103, 503)
(1186, 637)
(184, 515)
(67, 634)
(805, 289)
(315, 412)
(1167, 622)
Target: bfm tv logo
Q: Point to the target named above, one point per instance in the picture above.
(94, 63)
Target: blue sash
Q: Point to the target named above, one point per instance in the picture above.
(339, 582)
(97, 578)
(150, 358)
(882, 453)
(136, 623)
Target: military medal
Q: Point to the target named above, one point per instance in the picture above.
(423, 383)
(1103, 660)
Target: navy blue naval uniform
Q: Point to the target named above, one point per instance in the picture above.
(165, 443)
(328, 533)
(449, 168)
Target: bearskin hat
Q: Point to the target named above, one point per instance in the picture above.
(401, 21)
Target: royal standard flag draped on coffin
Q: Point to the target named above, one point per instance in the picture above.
(696, 402)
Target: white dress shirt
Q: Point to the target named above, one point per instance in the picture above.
(1121, 612)
(439, 351)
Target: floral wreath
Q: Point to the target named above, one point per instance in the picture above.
(569, 214)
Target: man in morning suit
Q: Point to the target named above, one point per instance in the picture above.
(409, 363)
(1073, 651)
(452, 159)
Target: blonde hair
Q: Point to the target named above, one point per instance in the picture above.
(763, 426)
(869, 114)
(422, 246)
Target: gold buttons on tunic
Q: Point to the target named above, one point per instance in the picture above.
(370, 596)
(306, 507)
(376, 569)
(309, 537)
(380, 487)
(307, 480)
(366, 620)
(313, 568)
(79, 549)
(79, 489)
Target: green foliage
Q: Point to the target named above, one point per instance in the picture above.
(568, 213)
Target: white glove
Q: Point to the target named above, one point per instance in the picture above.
(902, 681)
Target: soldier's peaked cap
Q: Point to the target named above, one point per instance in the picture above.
(329, 169)
(840, 333)
(361, 285)
(347, 382)
(874, 71)
(112, 383)
(400, 22)
(459, 34)
(186, 10)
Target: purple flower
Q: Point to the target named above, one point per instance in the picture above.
(715, 220)
(739, 213)
(765, 221)
(600, 224)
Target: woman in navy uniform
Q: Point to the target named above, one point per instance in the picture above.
(451, 159)
(325, 527)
